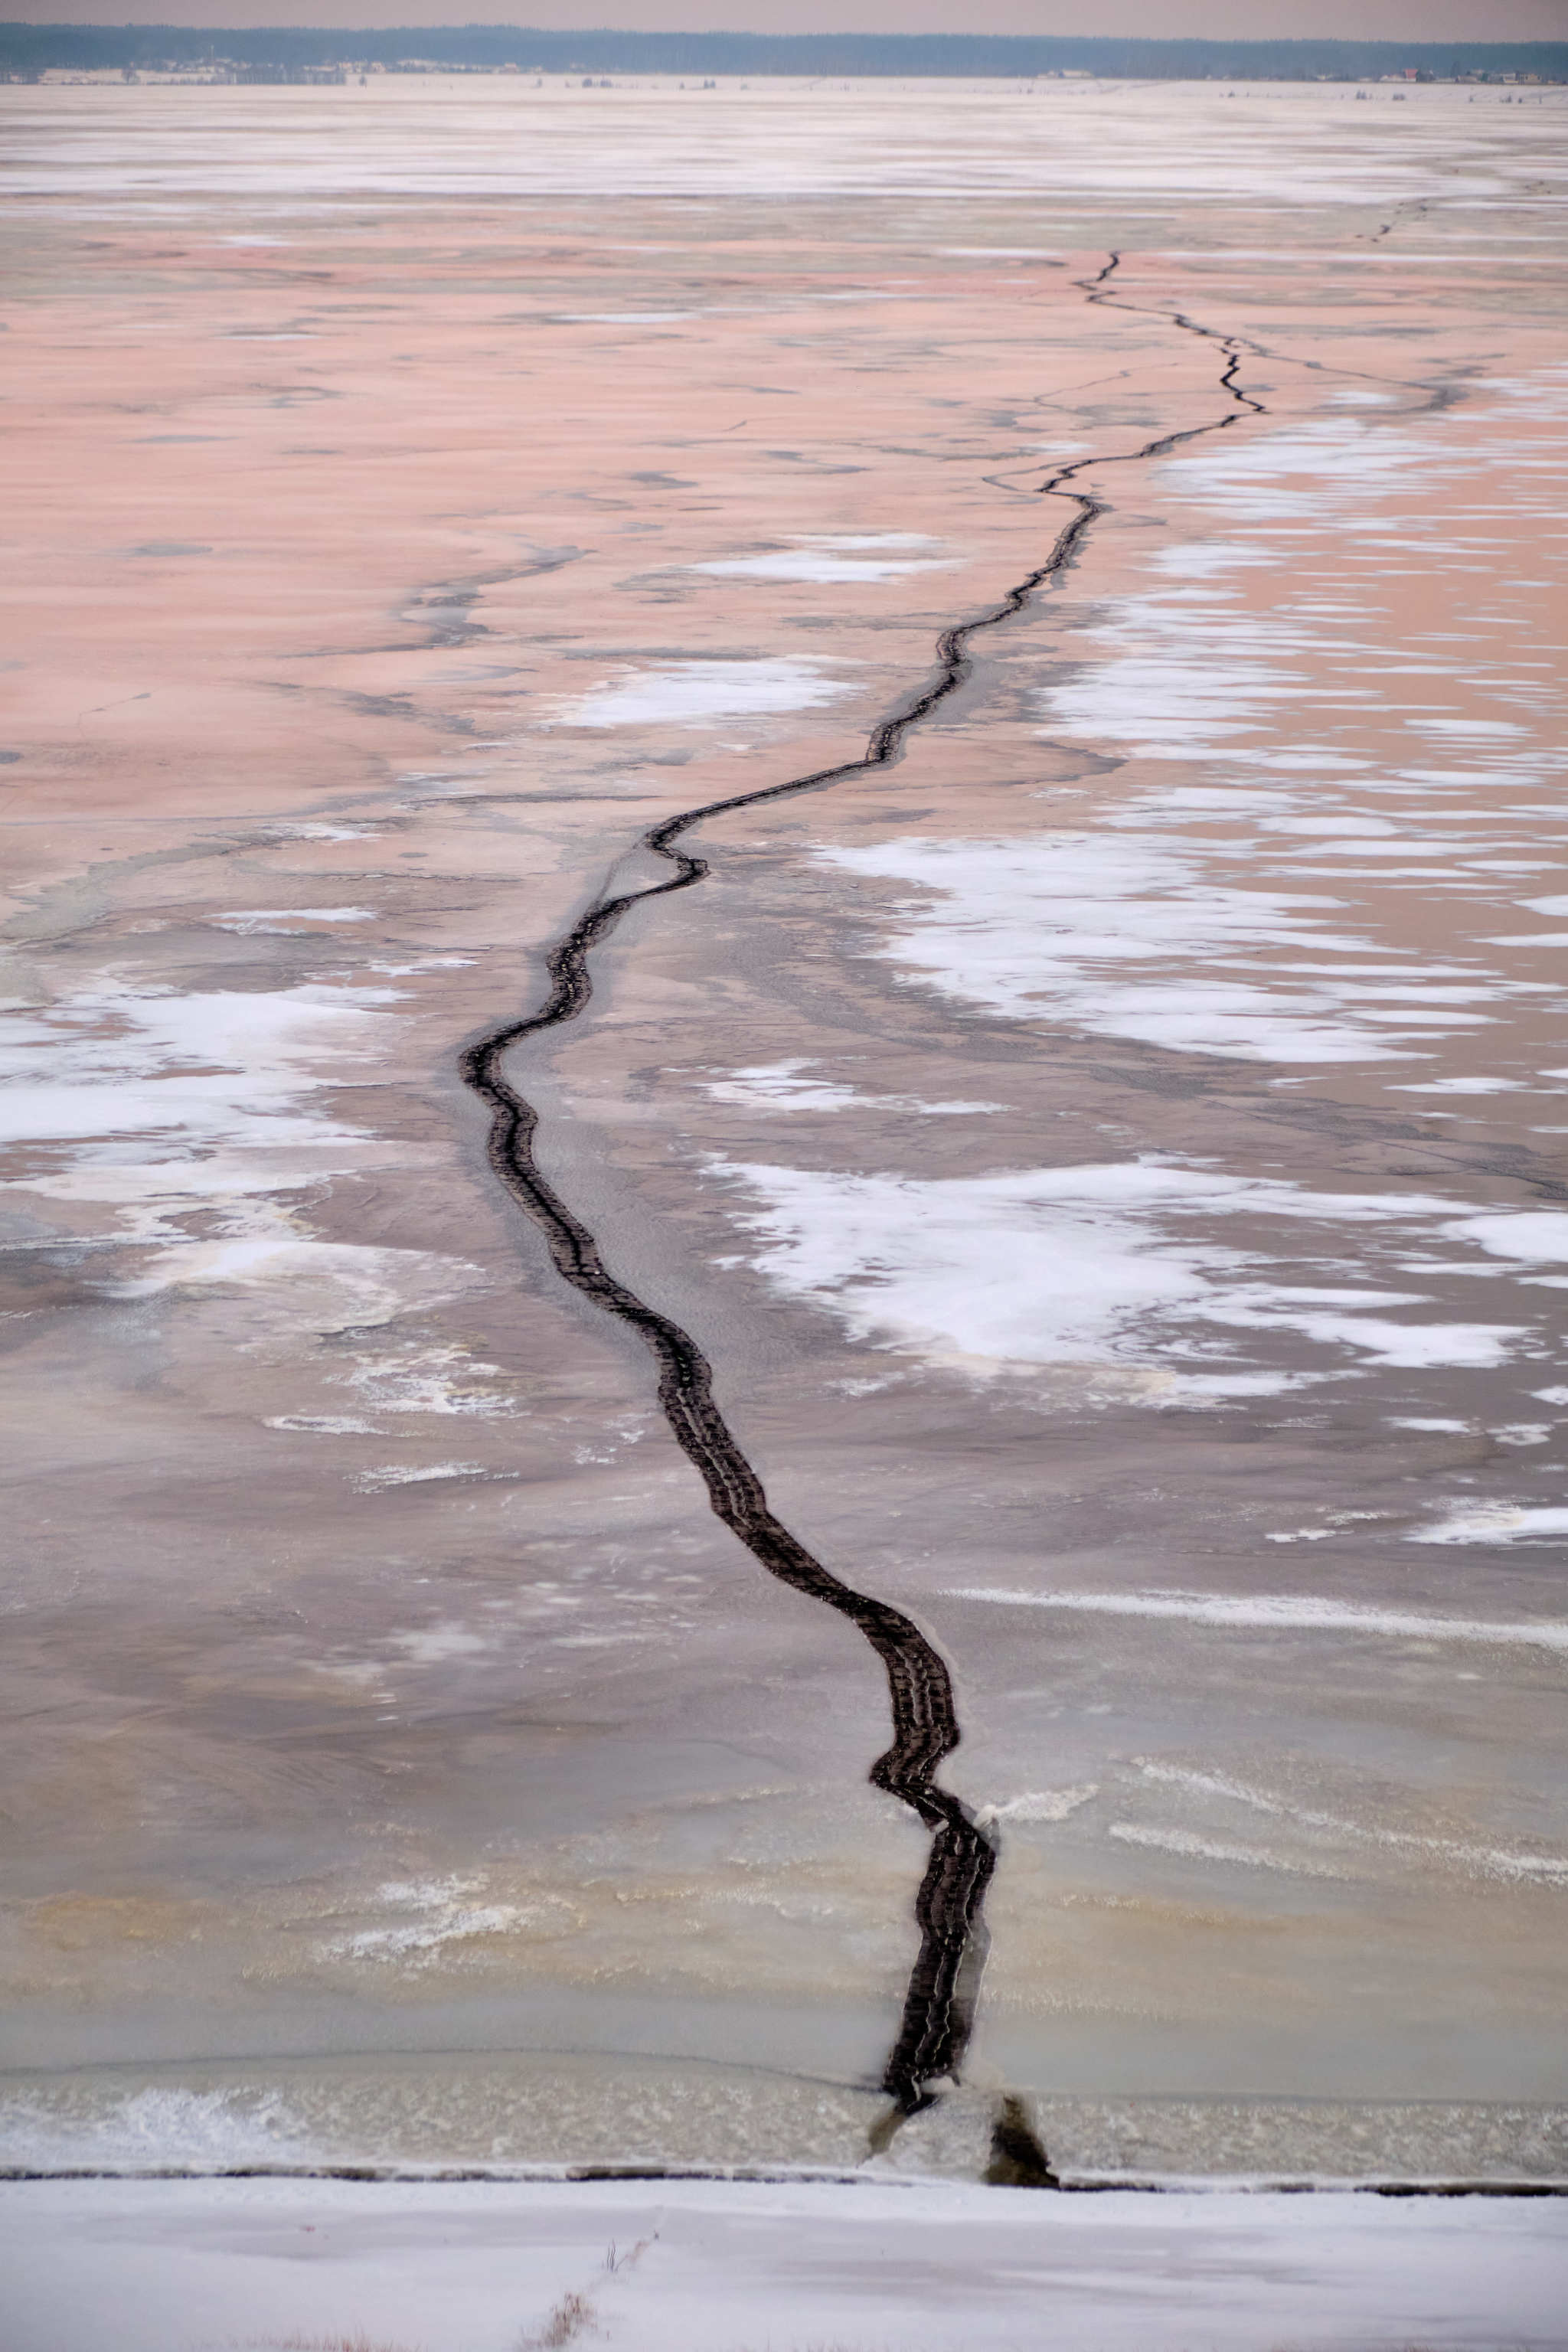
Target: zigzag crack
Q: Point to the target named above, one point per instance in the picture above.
(939, 2002)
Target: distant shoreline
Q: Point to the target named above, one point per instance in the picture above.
(28, 51)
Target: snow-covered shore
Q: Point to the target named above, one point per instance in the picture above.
(700, 2266)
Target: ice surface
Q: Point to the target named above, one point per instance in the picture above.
(1298, 1613)
(1494, 1523)
(1265, 792)
(687, 2266)
(802, 142)
(216, 1064)
(151, 2127)
(1085, 930)
(397, 1473)
(192, 1117)
(697, 693)
(1122, 1262)
(779, 1086)
(272, 918)
(832, 559)
(323, 1285)
(1139, 938)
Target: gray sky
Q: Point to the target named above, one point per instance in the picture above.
(1404, 20)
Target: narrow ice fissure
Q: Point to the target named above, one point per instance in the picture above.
(939, 2002)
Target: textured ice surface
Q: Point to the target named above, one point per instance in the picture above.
(802, 141)
(505, 2109)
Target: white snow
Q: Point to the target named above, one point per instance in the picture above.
(1129, 935)
(1320, 1827)
(432, 1645)
(274, 919)
(1289, 1613)
(1190, 1847)
(429, 1914)
(149, 2127)
(323, 1425)
(405, 1474)
(214, 1065)
(1527, 1235)
(716, 2266)
(1092, 1264)
(431, 1378)
(779, 1086)
(1040, 1805)
(164, 1107)
(318, 1285)
(837, 559)
(1496, 1523)
(697, 693)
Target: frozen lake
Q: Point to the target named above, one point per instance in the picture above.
(1103, 1152)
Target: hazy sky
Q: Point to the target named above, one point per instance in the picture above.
(1406, 20)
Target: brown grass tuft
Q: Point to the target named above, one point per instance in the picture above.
(572, 2316)
(358, 2341)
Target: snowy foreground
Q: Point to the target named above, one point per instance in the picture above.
(689, 2267)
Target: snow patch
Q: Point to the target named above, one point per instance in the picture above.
(698, 693)
(1270, 1612)
(1096, 1265)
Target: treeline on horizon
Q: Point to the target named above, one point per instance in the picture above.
(33, 49)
